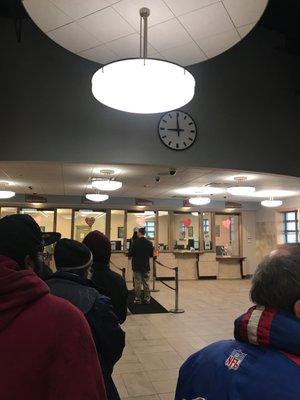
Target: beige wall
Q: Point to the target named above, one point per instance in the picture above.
(64, 223)
(117, 220)
(163, 229)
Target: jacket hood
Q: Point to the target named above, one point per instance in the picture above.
(75, 289)
(18, 289)
(270, 328)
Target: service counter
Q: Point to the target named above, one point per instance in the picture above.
(230, 267)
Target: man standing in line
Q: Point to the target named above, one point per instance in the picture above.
(141, 251)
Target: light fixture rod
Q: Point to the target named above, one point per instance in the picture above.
(144, 13)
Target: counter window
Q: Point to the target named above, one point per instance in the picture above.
(44, 218)
(206, 231)
(87, 221)
(4, 211)
(163, 230)
(186, 231)
(136, 220)
(64, 222)
(117, 229)
(227, 235)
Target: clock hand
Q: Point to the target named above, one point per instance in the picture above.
(176, 130)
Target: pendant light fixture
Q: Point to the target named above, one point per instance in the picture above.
(271, 203)
(96, 197)
(241, 189)
(199, 201)
(143, 85)
(106, 184)
(6, 194)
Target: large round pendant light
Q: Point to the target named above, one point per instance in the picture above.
(106, 184)
(199, 201)
(143, 85)
(96, 197)
(271, 203)
(241, 189)
(6, 194)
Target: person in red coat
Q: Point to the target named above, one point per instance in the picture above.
(46, 347)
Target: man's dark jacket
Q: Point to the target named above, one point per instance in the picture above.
(141, 251)
(108, 335)
(112, 285)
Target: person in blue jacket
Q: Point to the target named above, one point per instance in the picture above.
(73, 262)
(263, 362)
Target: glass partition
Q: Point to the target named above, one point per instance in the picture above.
(227, 235)
(64, 222)
(186, 231)
(87, 221)
(206, 231)
(117, 229)
(136, 220)
(44, 218)
(4, 211)
(163, 230)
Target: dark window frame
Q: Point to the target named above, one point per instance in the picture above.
(286, 231)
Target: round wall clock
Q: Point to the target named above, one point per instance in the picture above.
(177, 130)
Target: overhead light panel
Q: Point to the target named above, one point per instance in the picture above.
(143, 85)
(106, 184)
(241, 189)
(199, 201)
(96, 197)
(271, 203)
(6, 194)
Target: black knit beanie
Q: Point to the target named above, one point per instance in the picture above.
(70, 254)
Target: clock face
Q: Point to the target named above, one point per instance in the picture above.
(177, 130)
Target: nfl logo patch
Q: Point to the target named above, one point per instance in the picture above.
(235, 359)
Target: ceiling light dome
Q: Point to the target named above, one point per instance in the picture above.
(106, 184)
(199, 201)
(271, 203)
(143, 85)
(6, 194)
(96, 197)
(241, 189)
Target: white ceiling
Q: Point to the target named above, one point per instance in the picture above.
(183, 31)
(138, 181)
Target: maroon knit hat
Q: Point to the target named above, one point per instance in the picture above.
(99, 245)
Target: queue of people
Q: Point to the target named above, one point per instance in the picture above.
(61, 337)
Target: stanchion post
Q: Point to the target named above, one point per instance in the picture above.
(154, 277)
(176, 310)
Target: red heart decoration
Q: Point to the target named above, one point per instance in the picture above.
(90, 221)
(186, 222)
(226, 223)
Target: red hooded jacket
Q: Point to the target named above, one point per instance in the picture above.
(46, 348)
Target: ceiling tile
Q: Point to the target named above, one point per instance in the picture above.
(79, 8)
(186, 54)
(45, 14)
(106, 25)
(214, 45)
(129, 46)
(130, 10)
(168, 35)
(244, 30)
(180, 7)
(73, 37)
(207, 21)
(244, 12)
(101, 54)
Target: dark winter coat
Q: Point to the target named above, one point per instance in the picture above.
(112, 285)
(141, 251)
(46, 347)
(108, 336)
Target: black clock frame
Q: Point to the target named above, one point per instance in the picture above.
(196, 133)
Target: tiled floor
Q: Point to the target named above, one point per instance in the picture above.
(157, 344)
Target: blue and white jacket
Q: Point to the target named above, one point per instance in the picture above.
(263, 363)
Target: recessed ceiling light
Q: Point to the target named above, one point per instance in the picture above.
(199, 201)
(6, 194)
(106, 184)
(96, 197)
(271, 203)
